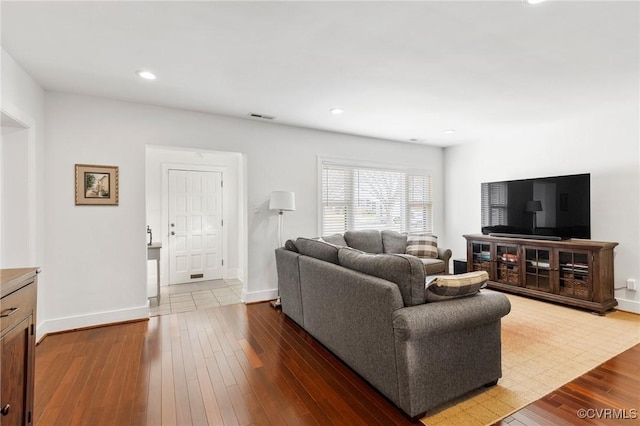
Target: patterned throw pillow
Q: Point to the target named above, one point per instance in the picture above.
(445, 287)
(422, 245)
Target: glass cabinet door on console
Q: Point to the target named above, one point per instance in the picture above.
(481, 257)
(538, 268)
(507, 264)
(575, 274)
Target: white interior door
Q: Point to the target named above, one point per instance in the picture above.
(195, 226)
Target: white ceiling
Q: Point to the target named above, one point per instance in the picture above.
(400, 70)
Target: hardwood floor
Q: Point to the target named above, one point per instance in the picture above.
(232, 364)
(240, 364)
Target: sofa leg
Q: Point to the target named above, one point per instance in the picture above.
(488, 385)
(416, 419)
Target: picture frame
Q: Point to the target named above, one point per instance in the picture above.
(96, 185)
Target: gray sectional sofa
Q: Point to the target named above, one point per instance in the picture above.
(390, 242)
(370, 310)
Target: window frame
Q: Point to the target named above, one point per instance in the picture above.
(350, 163)
(492, 208)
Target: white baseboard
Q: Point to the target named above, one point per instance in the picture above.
(259, 296)
(628, 305)
(91, 320)
(240, 274)
(232, 273)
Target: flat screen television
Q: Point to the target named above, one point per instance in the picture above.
(553, 208)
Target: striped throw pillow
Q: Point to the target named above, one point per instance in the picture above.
(422, 245)
(445, 287)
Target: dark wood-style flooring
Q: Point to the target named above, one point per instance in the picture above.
(245, 364)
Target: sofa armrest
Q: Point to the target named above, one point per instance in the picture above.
(448, 348)
(417, 322)
(289, 284)
(445, 255)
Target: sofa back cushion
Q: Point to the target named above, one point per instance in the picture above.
(318, 249)
(336, 239)
(291, 246)
(405, 271)
(369, 241)
(394, 242)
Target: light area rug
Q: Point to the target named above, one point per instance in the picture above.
(544, 346)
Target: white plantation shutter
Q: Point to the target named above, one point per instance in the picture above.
(337, 197)
(420, 204)
(494, 203)
(355, 198)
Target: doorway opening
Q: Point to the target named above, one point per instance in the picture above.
(194, 207)
(17, 194)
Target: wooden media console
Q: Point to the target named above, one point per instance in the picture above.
(572, 272)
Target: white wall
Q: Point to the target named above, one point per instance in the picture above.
(23, 100)
(95, 269)
(605, 144)
(17, 231)
(156, 198)
(102, 268)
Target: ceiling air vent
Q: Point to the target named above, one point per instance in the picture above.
(263, 116)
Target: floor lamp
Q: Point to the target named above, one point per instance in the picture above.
(281, 201)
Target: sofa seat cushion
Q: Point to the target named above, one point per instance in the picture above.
(446, 287)
(369, 241)
(318, 249)
(433, 266)
(422, 246)
(405, 271)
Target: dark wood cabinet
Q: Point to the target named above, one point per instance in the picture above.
(573, 272)
(17, 345)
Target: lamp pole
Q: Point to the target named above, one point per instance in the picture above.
(281, 201)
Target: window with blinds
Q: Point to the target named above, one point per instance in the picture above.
(355, 198)
(494, 203)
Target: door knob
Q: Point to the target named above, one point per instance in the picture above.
(173, 233)
(5, 410)
(173, 224)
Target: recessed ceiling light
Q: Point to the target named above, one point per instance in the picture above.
(534, 1)
(336, 111)
(449, 131)
(147, 75)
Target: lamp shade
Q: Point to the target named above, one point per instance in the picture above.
(282, 200)
(533, 206)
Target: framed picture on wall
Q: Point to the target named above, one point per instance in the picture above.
(96, 185)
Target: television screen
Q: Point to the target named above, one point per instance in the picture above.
(555, 207)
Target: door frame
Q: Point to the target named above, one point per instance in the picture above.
(14, 119)
(164, 251)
